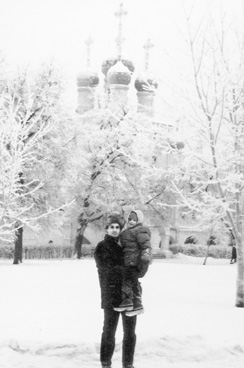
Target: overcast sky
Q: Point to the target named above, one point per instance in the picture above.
(31, 30)
(34, 30)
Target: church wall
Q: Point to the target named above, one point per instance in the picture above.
(185, 232)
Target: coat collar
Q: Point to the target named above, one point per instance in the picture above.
(111, 239)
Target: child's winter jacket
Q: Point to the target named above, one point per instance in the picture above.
(136, 245)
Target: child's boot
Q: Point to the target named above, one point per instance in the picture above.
(126, 305)
(138, 309)
(137, 301)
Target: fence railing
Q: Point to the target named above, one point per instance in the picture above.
(45, 252)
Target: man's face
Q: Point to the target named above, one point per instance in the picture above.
(132, 220)
(113, 230)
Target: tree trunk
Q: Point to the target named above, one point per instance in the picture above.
(240, 274)
(240, 253)
(18, 246)
(211, 241)
(79, 238)
(206, 256)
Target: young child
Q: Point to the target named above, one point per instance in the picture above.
(136, 246)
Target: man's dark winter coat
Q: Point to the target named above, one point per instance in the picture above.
(109, 261)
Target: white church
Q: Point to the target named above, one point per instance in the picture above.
(119, 84)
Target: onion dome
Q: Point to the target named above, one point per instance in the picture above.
(87, 78)
(107, 64)
(146, 83)
(119, 74)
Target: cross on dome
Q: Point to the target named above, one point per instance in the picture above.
(88, 43)
(87, 77)
(148, 46)
(120, 39)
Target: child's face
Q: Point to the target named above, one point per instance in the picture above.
(132, 220)
(113, 230)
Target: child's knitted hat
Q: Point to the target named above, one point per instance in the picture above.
(139, 215)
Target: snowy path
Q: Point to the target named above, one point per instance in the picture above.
(50, 316)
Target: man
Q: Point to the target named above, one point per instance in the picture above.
(109, 261)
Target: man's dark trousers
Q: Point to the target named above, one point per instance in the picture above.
(111, 319)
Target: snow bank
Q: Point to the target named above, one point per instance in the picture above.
(50, 316)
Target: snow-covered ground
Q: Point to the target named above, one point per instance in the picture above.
(50, 316)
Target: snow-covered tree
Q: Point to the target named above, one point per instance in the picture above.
(114, 159)
(32, 156)
(210, 180)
